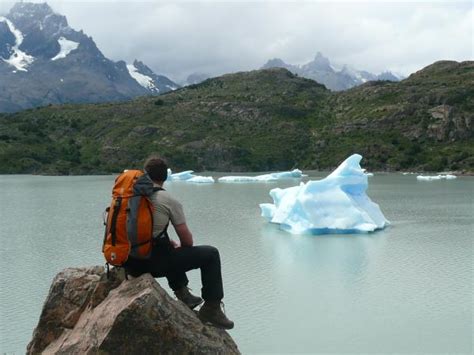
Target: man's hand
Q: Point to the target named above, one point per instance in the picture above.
(174, 244)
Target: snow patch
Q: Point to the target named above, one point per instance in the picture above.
(67, 47)
(19, 59)
(141, 79)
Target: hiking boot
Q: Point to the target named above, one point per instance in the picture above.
(188, 298)
(211, 312)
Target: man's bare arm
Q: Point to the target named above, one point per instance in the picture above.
(184, 234)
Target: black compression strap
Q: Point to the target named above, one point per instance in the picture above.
(140, 244)
(113, 225)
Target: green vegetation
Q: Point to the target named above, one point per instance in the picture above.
(259, 120)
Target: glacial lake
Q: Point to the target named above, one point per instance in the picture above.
(406, 289)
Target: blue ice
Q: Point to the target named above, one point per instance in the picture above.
(335, 204)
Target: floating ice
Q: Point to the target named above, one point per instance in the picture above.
(335, 204)
(201, 179)
(435, 177)
(188, 176)
(296, 173)
(66, 47)
(182, 176)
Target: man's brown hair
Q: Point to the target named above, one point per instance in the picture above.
(156, 168)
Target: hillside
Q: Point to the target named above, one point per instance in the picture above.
(259, 120)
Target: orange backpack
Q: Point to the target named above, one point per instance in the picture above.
(129, 219)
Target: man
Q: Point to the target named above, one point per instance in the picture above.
(172, 260)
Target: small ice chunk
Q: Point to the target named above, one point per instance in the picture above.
(188, 176)
(237, 179)
(428, 178)
(184, 175)
(450, 177)
(436, 177)
(335, 204)
(201, 179)
(294, 174)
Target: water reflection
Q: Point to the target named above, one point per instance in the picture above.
(344, 259)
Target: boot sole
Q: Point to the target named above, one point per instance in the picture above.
(208, 322)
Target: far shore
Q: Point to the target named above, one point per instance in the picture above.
(381, 172)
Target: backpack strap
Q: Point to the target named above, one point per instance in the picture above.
(118, 204)
(164, 232)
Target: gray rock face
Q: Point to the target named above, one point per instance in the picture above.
(86, 313)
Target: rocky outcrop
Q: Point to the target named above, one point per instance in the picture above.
(86, 313)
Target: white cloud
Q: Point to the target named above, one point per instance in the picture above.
(180, 37)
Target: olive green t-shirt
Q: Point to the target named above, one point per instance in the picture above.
(166, 209)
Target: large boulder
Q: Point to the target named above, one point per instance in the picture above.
(87, 313)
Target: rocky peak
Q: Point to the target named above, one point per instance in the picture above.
(142, 68)
(30, 10)
(31, 18)
(319, 62)
(275, 63)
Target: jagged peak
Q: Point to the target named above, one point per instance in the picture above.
(320, 62)
(21, 9)
(275, 61)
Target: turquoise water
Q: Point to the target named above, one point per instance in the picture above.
(407, 289)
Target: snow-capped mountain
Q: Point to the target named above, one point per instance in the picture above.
(44, 61)
(321, 70)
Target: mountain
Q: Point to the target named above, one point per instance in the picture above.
(196, 78)
(44, 61)
(321, 70)
(255, 121)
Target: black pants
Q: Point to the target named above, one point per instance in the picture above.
(173, 264)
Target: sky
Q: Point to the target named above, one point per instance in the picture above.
(178, 38)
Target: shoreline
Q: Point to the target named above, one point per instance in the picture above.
(404, 172)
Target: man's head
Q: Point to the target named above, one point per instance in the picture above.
(156, 168)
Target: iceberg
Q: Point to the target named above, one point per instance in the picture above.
(294, 174)
(188, 176)
(435, 177)
(335, 204)
(201, 179)
(182, 176)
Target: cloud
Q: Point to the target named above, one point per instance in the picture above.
(178, 38)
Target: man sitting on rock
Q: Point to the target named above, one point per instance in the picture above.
(171, 260)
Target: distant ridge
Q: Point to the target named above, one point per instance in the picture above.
(44, 61)
(260, 120)
(321, 70)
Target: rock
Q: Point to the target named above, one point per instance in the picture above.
(86, 313)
